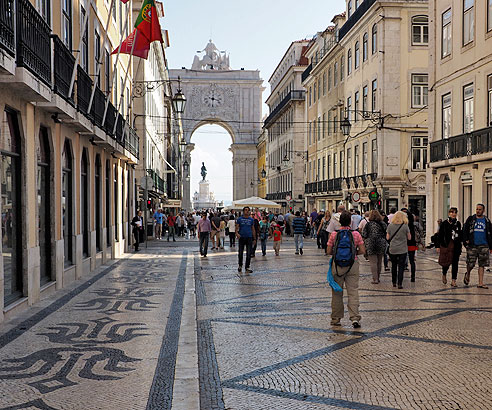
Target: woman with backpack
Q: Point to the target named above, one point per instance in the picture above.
(448, 243)
(374, 235)
(397, 235)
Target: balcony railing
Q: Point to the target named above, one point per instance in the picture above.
(120, 126)
(354, 18)
(293, 95)
(328, 185)
(33, 41)
(477, 142)
(110, 119)
(159, 183)
(97, 109)
(63, 62)
(84, 87)
(7, 39)
(132, 142)
(306, 72)
(324, 51)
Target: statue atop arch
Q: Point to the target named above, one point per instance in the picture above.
(203, 171)
(214, 59)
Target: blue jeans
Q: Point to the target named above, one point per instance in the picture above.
(263, 246)
(299, 241)
(248, 243)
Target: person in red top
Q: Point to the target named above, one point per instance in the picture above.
(171, 223)
(277, 239)
(348, 275)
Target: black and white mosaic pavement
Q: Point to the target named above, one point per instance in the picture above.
(266, 341)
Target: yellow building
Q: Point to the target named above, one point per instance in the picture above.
(261, 149)
(460, 109)
(68, 148)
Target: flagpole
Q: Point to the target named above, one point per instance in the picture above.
(124, 81)
(72, 80)
(113, 76)
(99, 63)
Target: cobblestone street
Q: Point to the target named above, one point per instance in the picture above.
(124, 338)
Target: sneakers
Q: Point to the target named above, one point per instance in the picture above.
(356, 324)
(300, 250)
(240, 269)
(335, 322)
(248, 270)
(297, 253)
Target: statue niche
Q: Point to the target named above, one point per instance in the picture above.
(212, 60)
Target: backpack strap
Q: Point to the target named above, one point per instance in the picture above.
(392, 236)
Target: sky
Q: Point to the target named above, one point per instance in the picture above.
(256, 34)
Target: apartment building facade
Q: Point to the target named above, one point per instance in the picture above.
(460, 109)
(386, 87)
(285, 153)
(68, 148)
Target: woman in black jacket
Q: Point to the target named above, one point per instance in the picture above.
(449, 240)
(138, 229)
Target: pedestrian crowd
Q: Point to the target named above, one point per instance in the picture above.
(345, 236)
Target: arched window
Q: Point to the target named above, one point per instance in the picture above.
(374, 39)
(108, 203)
(10, 167)
(97, 201)
(365, 51)
(357, 54)
(44, 206)
(67, 206)
(349, 61)
(420, 30)
(84, 201)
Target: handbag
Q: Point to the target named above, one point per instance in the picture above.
(446, 254)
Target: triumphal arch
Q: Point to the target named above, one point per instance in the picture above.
(217, 94)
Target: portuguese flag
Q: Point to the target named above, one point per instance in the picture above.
(148, 22)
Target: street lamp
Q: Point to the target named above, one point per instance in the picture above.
(345, 127)
(263, 173)
(179, 100)
(186, 166)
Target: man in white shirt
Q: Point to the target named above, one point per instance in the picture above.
(334, 224)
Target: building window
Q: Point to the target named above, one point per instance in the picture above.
(349, 61)
(44, 206)
(319, 128)
(349, 8)
(44, 10)
(67, 23)
(324, 84)
(107, 71)
(342, 68)
(356, 105)
(468, 21)
(446, 115)
(420, 30)
(309, 133)
(97, 201)
(335, 165)
(108, 203)
(318, 171)
(84, 52)
(419, 90)
(365, 93)
(67, 202)
(364, 158)
(349, 108)
(365, 51)
(489, 16)
(374, 95)
(97, 57)
(329, 123)
(356, 160)
(357, 54)
(468, 108)
(314, 93)
(349, 162)
(319, 88)
(329, 79)
(374, 40)
(374, 156)
(335, 73)
(324, 125)
(10, 186)
(84, 206)
(446, 34)
(419, 153)
(342, 164)
(323, 173)
(489, 83)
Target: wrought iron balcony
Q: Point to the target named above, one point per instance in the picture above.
(7, 38)
(97, 109)
(294, 95)
(84, 87)
(33, 41)
(328, 185)
(322, 52)
(477, 142)
(278, 196)
(132, 142)
(110, 119)
(63, 62)
(120, 126)
(354, 18)
(306, 72)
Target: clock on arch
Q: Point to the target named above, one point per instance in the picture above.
(213, 98)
